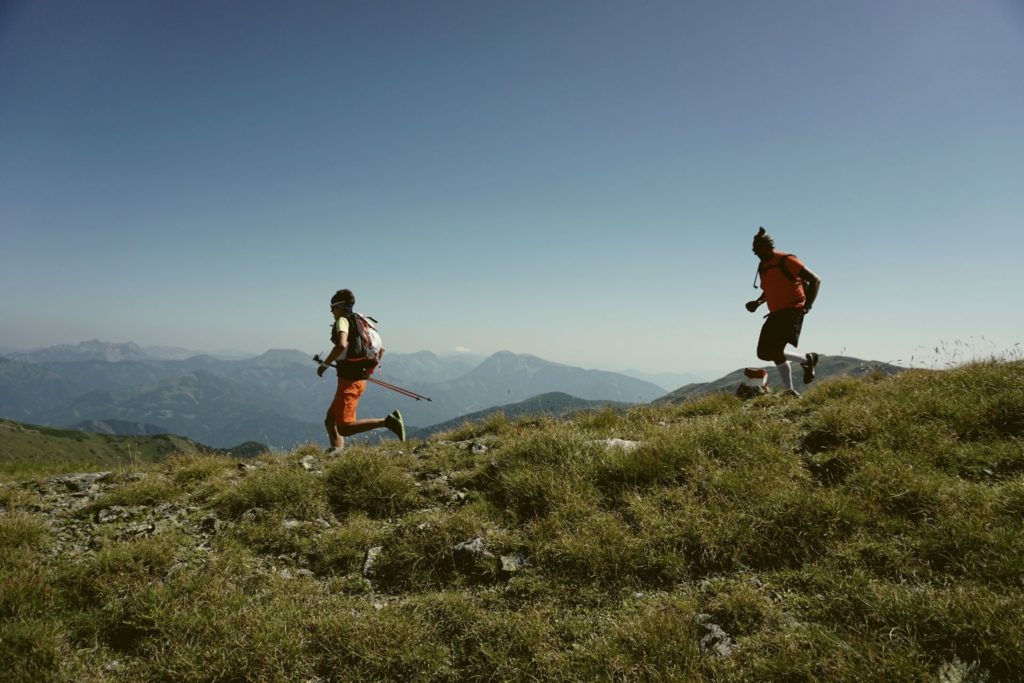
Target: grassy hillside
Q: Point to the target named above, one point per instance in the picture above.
(830, 366)
(28, 448)
(868, 531)
(553, 403)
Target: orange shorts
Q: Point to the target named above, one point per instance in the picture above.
(346, 400)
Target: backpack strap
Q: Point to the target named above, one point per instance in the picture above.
(781, 265)
(785, 271)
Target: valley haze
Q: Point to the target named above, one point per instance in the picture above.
(277, 399)
(113, 351)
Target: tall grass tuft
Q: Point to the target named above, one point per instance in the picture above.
(367, 482)
(285, 491)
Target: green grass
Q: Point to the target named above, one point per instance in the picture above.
(149, 492)
(869, 531)
(369, 482)
(33, 450)
(285, 490)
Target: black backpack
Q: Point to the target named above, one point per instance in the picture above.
(365, 347)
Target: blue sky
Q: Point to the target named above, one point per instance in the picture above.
(577, 180)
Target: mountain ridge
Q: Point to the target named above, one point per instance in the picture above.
(277, 395)
(828, 366)
(277, 398)
(28, 446)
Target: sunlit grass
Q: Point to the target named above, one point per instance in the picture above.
(868, 531)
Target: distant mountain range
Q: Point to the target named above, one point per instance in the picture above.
(100, 350)
(506, 377)
(666, 380)
(277, 399)
(119, 428)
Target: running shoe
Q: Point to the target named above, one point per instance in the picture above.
(395, 423)
(808, 366)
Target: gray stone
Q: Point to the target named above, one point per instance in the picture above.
(624, 444)
(254, 515)
(745, 391)
(714, 640)
(510, 564)
(371, 560)
(139, 530)
(473, 545)
(80, 482)
(473, 558)
(112, 514)
(958, 671)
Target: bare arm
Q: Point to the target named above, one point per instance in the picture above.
(337, 352)
(812, 285)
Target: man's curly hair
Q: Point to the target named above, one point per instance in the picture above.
(343, 297)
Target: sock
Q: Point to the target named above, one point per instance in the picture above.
(797, 357)
(786, 373)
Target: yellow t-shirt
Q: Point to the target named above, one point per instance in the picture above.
(339, 328)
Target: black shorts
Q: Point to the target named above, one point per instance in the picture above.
(782, 327)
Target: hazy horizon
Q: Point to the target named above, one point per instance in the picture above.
(237, 354)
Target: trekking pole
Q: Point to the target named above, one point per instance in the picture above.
(392, 387)
(404, 392)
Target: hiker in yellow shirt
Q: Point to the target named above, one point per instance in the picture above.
(341, 418)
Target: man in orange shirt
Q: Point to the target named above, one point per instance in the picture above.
(341, 416)
(790, 288)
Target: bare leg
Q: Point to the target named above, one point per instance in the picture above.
(333, 436)
(359, 426)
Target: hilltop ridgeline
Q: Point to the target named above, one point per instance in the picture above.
(867, 531)
(276, 398)
(31, 448)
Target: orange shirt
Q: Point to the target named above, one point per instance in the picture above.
(779, 291)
